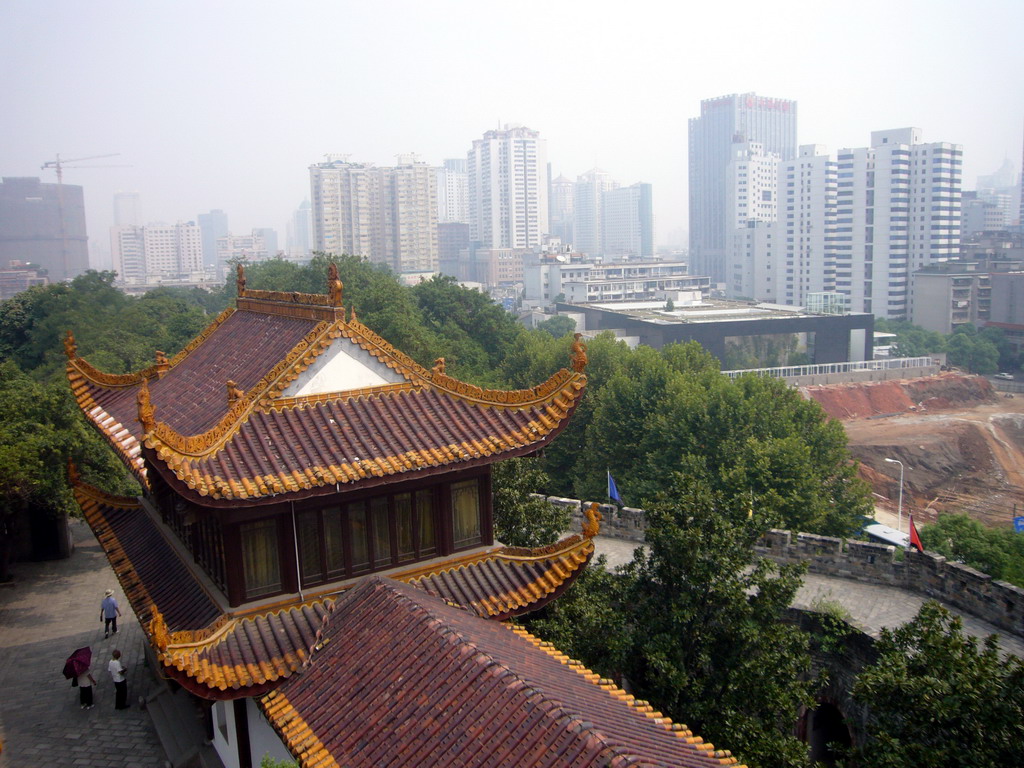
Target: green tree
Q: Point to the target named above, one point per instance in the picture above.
(911, 340)
(998, 552)
(968, 350)
(41, 429)
(938, 697)
(520, 519)
(558, 326)
(695, 624)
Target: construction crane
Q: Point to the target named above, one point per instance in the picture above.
(58, 164)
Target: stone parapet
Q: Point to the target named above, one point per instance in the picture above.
(955, 584)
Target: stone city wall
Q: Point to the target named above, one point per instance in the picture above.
(954, 584)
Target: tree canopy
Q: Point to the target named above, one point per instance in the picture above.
(998, 552)
(695, 625)
(939, 697)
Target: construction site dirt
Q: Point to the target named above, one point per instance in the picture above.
(961, 444)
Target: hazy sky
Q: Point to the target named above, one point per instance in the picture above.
(226, 104)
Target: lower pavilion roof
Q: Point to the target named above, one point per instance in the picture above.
(401, 678)
(221, 654)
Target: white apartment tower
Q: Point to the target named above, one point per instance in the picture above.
(807, 222)
(588, 199)
(388, 215)
(724, 121)
(155, 252)
(628, 222)
(508, 188)
(897, 210)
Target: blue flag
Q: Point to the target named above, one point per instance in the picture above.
(613, 490)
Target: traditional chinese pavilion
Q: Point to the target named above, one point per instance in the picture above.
(314, 553)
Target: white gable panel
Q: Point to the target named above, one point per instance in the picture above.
(342, 367)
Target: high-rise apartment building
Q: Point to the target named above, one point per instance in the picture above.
(453, 192)
(628, 222)
(43, 224)
(723, 122)
(149, 254)
(806, 262)
(588, 211)
(897, 210)
(508, 188)
(388, 215)
(233, 248)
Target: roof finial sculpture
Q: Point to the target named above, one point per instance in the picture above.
(438, 365)
(578, 355)
(334, 285)
(158, 629)
(593, 524)
(73, 476)
(240, 279)
(354, 318)
(147, 411)
(234, 393)
(70, 348)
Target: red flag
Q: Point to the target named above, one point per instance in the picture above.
(915, 540)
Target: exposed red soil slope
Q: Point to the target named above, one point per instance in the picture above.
(960, 441)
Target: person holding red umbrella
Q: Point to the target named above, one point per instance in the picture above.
(77, 668)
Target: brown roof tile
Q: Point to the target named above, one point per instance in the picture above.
(438, 686)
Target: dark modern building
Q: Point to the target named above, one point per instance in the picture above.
(214, 225)
(43, 224)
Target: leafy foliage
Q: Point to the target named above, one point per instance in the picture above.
(938, 699)
(997, 552)
(41, 429)
(967, 349)
(521, 520)
(694, 625)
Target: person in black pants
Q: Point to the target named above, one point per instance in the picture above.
(117, 672)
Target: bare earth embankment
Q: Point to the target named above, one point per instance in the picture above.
(960, 441)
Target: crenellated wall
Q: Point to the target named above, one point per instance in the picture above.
(954, 584)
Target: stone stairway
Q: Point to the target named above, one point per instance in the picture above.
(180, 729)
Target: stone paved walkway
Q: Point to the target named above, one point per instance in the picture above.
(49, 610)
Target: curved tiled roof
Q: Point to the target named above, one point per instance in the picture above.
(147, 566)
(216, 654)
(402, 678)
(502, 584)
(247, 442)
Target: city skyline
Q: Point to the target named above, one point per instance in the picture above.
(163, 85)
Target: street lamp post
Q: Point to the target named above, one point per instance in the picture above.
(899, 504)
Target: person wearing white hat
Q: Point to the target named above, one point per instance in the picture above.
(109, 611)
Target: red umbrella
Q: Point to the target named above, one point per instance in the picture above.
(78, 662)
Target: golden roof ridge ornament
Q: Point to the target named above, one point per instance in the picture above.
(592, 526)
(147, 411)
(70, 347)
(234, 393)
(578, 353)
(240, 280)
(334, 285)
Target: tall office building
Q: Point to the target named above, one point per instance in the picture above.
(152, 253)
(388, 215)
(453, 192)
(508, 188)
(588, 211)
(898, 210)
(724, 121)
(43, 224)
(213, 225)
(269, 235)
(628, 222)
